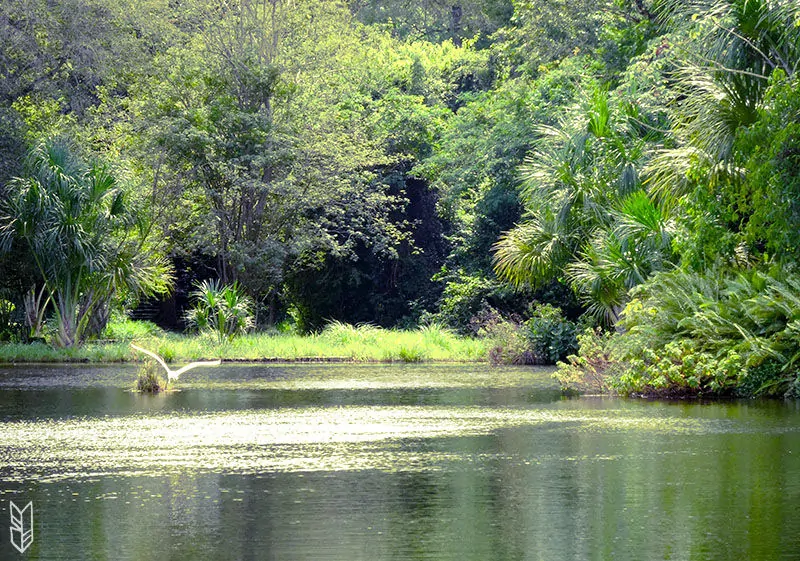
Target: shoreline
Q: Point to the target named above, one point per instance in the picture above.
(254, 361)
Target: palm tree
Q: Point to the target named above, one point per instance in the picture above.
(565, 190)
(729, 59)
(587, 216)
(78, 226)
(622, 256)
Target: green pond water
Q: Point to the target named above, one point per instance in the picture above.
(372, 462)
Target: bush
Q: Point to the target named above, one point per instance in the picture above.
(593, 369)
(12, 326)
(464, 296)
(223, 311)
(510, 344)
(682, 367)
(545, 338)
(552, 337)
(720, 332)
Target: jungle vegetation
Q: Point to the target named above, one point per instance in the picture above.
(611, 184)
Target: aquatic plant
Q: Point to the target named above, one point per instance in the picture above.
(149, 379)
(174, 374)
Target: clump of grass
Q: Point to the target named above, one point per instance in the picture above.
(344, 334)
(124, 329)
(166, 352)
(149, 379)
(436, 335)
(411, 354)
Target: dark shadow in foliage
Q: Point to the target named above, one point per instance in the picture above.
(373, 288)
(12, 145)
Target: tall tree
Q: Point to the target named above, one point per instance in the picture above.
(261, 123)
(81, 234)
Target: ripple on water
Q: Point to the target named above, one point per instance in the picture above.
(302, 439)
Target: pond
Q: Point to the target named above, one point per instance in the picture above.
(352, 462)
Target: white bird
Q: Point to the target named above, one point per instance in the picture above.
(173, 374)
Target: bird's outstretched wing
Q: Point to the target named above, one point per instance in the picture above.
(194, 364)
(175, 373)
(154, 355)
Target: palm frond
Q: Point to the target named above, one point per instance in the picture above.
(532, 252)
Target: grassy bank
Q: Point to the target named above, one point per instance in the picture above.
(338, 342)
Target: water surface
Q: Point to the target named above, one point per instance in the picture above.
(389, 462)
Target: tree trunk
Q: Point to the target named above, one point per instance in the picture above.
(98, 318)
(455, 24)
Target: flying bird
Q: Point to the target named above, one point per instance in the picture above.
(173, 374)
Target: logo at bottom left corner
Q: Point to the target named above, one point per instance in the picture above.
(21, 526)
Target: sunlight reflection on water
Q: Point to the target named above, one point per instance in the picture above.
(304, 439)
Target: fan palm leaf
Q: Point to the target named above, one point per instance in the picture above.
(71, 215)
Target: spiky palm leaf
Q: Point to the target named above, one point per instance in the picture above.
(735, 47)
(71, 215)
(576, 183)
(534, 251)
(223, 310)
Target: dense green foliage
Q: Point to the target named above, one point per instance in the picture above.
(545, 338)
(223, 311)
(714, 330)
(498, 167)
(83, 237)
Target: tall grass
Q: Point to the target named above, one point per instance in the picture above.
(363, 343)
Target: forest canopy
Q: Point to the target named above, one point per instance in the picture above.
(412, 162)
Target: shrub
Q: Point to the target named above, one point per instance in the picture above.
(552, 337)
(221, 310)
(593, 368)
(510, 344)
(545, 338)
(682, 367)
(720, 331)
(464, 296)
(12, 326)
